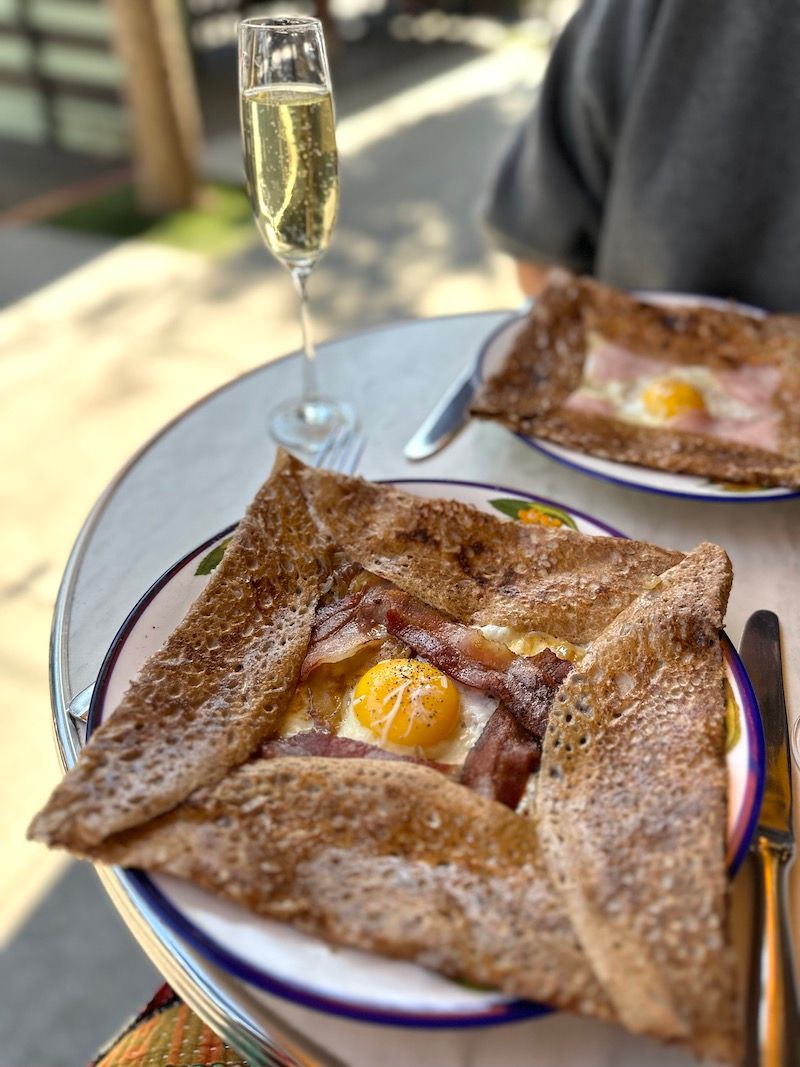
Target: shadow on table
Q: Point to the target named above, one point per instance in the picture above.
(406, 222)
(71, 976)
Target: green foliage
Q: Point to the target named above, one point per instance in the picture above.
(220, 223)
(210, 562)
(513, 507)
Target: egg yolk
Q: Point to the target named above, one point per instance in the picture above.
(667, 397)
(407, 702)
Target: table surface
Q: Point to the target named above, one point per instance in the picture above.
(198, 475)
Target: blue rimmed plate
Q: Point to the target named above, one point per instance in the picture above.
(689, 486)
(275, 958)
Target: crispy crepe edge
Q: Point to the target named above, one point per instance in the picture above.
(384, 857)
(645, 884)
(204, 701)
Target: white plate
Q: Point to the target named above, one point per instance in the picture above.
(491, 358)
(278, 959)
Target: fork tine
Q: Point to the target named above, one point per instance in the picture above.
(358, 444)
(342, 450)
(331, 447)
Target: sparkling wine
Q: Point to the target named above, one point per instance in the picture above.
(292, 168)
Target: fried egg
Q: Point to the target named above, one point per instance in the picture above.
(410, 707)
(733, 404)
(661, 399)
(408, 702)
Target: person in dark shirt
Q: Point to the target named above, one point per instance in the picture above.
(663, 152)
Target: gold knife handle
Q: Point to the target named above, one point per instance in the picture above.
(773, 1038)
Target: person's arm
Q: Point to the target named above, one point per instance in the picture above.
(547, 200)
(532, 277)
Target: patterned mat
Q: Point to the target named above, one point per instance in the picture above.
(168, 1034)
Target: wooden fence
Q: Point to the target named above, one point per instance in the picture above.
(60, 81)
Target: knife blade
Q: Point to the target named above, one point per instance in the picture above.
(761, 655)
(446, 419)
(773, 1035)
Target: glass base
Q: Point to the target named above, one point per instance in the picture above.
(305, 427)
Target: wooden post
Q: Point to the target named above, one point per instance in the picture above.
(151, 40)
(322, 11)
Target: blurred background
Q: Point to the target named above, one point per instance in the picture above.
(132, 282)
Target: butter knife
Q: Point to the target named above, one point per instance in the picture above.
(773, 1038)
(446, 419)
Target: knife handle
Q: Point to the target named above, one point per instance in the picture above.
(773, 1038)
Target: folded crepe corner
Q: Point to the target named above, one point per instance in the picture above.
(218, 686)
(610, 901)
(479, 568)
(644, 883)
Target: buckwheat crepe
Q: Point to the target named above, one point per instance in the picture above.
(531, 392)
(609, 898)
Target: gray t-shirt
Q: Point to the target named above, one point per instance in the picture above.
(664, 151)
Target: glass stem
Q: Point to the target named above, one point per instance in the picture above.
(310, 390)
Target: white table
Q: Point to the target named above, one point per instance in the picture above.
(197, 476)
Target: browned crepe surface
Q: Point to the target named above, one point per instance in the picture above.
(479, 568)
(387, 857)
(218, 686)
(644, 883)
(546, 362)
(391, 856)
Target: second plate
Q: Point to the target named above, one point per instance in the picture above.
(690, 486)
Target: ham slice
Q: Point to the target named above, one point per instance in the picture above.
(751, 383)
(762, 431)
(590, 404)
(607, 362)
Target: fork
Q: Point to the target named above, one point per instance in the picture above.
(341, 450)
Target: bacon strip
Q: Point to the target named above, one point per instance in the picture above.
(509, 748)
(502, 760)
(524, 684)
(497, 767)
(338, 632)
(345, 627)
(321, 743)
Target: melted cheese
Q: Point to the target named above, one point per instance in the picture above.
(530, 642)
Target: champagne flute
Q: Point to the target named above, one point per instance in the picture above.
(292, 170)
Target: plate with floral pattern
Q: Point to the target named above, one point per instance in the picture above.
(277, 959)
